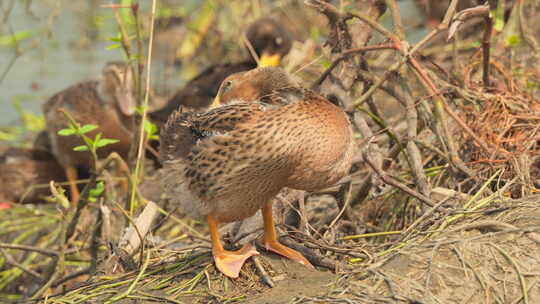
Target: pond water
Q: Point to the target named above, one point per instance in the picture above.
(62, 50)
(67, 44)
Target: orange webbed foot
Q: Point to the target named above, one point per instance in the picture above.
(230, 262)
(270, 239)
(287, 252)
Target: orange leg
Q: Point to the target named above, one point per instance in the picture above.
(228, 262)
(71, 174)
(270, 239)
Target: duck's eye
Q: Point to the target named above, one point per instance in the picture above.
(227, 85)
(279, 40)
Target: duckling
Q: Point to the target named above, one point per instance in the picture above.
(107, 102)
(267, 134)
(270, 41)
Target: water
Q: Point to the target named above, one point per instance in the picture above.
(68, 44)
(62, 51)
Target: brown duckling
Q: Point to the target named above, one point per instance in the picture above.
(229, 162)
(21, 169)
(270, 41)
(107, 102)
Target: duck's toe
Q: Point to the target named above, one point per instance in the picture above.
(230, 262)
(287, 252)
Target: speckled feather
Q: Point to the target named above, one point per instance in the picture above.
(231, 160)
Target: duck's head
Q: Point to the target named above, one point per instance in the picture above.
(116, 85)
(253, 85)
(270, 41)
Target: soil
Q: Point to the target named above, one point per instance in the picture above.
(293, 280)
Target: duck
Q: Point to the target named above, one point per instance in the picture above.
(108, 103)
(23, 168)
(264, 133)
(270, 41)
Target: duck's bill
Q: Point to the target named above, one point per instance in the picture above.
(126, 101)
(267, 60)
(216, 103)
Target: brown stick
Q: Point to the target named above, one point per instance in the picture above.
(393, 182)
(486, 43)
(346, 54)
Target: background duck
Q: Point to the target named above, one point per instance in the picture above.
(22, 169)
(270, 42)
(107, 103)
(231, 161)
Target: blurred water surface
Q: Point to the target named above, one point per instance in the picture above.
(67, 44)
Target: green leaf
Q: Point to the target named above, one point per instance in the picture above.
(140, 110)
(499, 24)
(513, 40)
(106, 141)
(66, 132)
(98, 190)
(150, 128)
(113, 46)
(97, 138)
(87, 128)
(80, 148)
(325, 62)
(11, 40)
(89, 142)
(118, 38)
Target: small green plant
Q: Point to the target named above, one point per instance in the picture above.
(90, 145)
(151, 130)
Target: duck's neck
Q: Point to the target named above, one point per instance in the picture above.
(109, 100)
(104, 93)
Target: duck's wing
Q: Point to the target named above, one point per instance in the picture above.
(195, 150)
(184, 131)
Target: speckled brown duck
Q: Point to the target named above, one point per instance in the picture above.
(270, 41)
(22, 169)
(107, 102)
(229, 162)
